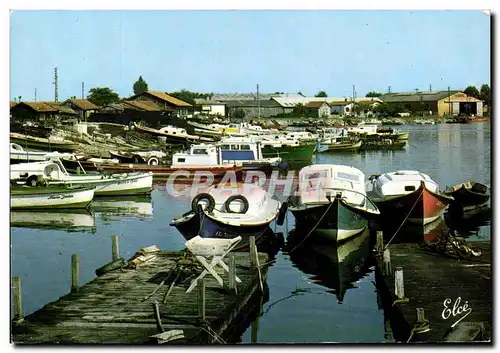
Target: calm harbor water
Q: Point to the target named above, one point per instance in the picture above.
(315, 294)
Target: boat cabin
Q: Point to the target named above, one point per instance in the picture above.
(402, 182)
(172, 130)
(316, 181)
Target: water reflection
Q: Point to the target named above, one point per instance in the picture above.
(335, 266)
(410, 233)
(467, 224)
(123, 206)
(71, 220)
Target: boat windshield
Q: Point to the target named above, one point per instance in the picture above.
(200, 151)
(347, 176)
(316, 175)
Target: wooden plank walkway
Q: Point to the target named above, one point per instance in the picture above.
(111, 308)
(429, 279)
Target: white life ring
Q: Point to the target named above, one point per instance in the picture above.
(153, 161)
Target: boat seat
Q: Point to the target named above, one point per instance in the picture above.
(213, 250)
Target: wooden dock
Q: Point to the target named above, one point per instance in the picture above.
(424, 292)
(130, 304)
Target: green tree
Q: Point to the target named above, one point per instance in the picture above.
(238, 114)
(188, 96)
(299, 110)
(140, 86)
(102, 96)
(472, 91)
(373, 94)
(485, 94)
(321, 94)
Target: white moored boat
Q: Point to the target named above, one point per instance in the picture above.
(27, 197)
(226, 212)
(54, 173)
(18, 154)
(332, 202)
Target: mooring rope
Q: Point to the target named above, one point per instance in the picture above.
(419, 327)
(312, 230)
(404, 220)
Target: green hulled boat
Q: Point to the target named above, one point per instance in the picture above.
(298, 153)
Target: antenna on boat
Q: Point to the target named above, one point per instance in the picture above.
(56, 99)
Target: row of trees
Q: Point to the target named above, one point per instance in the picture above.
(484, 93)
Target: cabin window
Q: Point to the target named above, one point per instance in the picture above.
(200, 151)
(409, 188)
(173, 132)
(235, 147)
(317, 175)
(225, 147)
(181, 160)
(245, 147)
(347, 176)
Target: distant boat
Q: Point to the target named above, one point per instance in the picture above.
(339, 144)
(47, 144)
(18, 154)
(175, 135)
(30, 198)
(407, 195)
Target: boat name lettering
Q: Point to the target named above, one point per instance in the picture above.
(457, 309)
(52, 197)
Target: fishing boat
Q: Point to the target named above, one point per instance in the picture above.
(18, 154)
(147, 157)
(288, 149)
(234, 151)
(53, 172)
(339, 144)
(335, 266)
(70, 219)
(469, 196)
(74, 163)
(215, 130)
(174, 135)
(30, 198)
(407, 195)
(331, 202)
(46, 144)
(226, 212)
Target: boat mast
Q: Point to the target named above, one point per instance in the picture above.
(258, 101)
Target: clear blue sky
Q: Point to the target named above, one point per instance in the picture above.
(232, 51)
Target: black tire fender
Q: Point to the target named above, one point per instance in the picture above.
(32, 180)
(236, 197)
(281, 214)
(203, 196)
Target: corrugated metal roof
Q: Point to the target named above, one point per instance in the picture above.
(203, 101)
(269, 103)
(416, 96)
(40, 107)
(167, 98)
(83, 104)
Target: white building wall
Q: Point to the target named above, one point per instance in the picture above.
(479, 108)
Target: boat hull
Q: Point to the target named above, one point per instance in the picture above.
(335, 222)
(189, 226)
(470, 200)
(51, 198)
(301, 153)
(43, 144)
(128, 185)
(341, 147)
(419, 207)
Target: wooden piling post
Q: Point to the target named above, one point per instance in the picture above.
(18, 303)
(399, 289)
(232, 273)
(420, 315)
(115, 249)
(75, 273)
(379, 247)
(201, 298)
(253, 261)
(386, 267)
(156, 310)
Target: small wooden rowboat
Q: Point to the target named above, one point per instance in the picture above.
(470, 195)
(27, 197)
